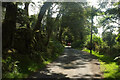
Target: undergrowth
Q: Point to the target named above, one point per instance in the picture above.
(16, 65)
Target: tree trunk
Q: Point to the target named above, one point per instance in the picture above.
(41, 14)
(26, 10)
(49, 26)
(9, 25)
(60, 35)
(38, 24)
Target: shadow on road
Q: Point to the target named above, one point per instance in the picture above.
(71, 64)
(45, 73)
(73, 59)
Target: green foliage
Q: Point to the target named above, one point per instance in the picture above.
(10, 68)
(118, 38)
(33, 19)
(77, 44)
(95, 29)
(116, 49)
(96, 42)
(109, 38)
(23, 37)
(110, 46)
(22, 18)
(56, 46)
(106, 45)
(107, 65)
(22, 65)
(74, 19)
(35, 37)
(104, 48)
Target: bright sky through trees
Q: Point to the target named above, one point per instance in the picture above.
(34, 9)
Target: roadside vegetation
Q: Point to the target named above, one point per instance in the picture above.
(30, 42)
(108, 66)
(23, 65)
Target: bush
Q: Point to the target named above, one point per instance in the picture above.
(116, 49)
(78, 44)
(104, 48)
(96, 43)
(21, 65)
(10, 68)
(56, 47)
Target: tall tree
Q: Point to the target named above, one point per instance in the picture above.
(26, 10)
(76, 23)
(39, 37)
(9, 24)
(41, 14)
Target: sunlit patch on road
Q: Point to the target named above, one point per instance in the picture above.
(71, 64)
(67, 46)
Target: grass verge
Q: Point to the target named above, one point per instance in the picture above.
(107, 65)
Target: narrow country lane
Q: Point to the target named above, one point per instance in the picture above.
(72, 64)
